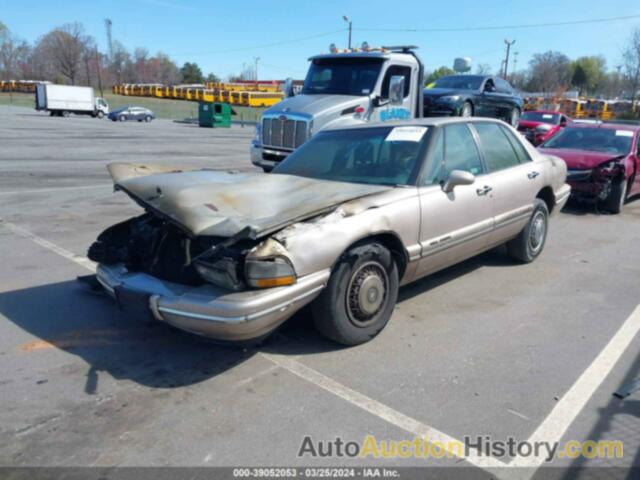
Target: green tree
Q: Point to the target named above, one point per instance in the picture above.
(437, 73)
(588, 73)
(212, 77)
(191, 73)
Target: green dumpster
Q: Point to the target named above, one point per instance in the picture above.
(213, 114)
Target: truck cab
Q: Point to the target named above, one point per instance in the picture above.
(341, 88)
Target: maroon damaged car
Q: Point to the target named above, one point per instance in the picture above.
(603, 161)
(540, 125)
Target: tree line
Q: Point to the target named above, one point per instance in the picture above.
(554, 72)
(68, 55)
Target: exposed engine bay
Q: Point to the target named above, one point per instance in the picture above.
(152, 245)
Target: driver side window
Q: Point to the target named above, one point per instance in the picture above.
(393, 71)
(455, 149)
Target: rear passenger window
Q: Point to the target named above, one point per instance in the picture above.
(521, 152)
(498, 152)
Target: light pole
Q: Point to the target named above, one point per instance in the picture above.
(348, 20)
(255, 70)
(506, 60)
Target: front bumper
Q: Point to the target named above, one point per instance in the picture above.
(266, 158)
(561, 197)
(208, 310)
(590, 184)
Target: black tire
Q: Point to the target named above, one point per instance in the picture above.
(346, 313)
(148, 118)
(267, 169)
(100, 114)
(466, 110)
(514, 117)
(65, 114)
(122, 118)
(617, 196)
(528, 245)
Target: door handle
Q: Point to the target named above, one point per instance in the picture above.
(532, 175)
(484, 190)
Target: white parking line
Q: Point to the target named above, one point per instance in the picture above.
(82, 261)
(551, 430)
(378, 409)
(56, 189)
(572, 403)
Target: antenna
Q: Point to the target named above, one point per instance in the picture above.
(108, 23)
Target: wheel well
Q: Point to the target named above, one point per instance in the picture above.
(393, 243)
(473, 108)
(549, 198)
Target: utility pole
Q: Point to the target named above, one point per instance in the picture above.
(348, 20)
(255, 69)
(506, 58)
(108, 24)
(98, 61)
(515, 62)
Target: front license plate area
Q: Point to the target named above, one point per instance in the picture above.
(134, 302)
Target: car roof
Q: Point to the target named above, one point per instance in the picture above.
(426, 122)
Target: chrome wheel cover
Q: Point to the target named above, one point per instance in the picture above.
(367, 293)
(537, 232)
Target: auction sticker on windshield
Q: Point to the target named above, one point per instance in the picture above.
(406, 134)
(624, 133)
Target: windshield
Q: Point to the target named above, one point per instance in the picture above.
(605, 140)
(550, 118)
(342, 76)
(462, 82)
(379, 156)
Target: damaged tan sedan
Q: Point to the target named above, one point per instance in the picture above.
(344, 221)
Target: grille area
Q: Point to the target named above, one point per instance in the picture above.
(284, 133)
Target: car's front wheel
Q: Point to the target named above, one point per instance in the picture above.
(122, 118)
(360, 296)
(617, 196)
(100, 114)
(147, 118)
(466, 110)
(514, 117)
(528, 245)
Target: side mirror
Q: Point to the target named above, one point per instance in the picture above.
(288, 88)
(396, 89)
(458, 177)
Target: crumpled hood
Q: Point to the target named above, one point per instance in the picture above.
(580, 159)
(221, 203)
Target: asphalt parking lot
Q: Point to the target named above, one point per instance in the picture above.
(486, 348)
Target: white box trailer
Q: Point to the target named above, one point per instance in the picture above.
(61, 100)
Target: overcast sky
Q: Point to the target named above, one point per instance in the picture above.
(221, 36)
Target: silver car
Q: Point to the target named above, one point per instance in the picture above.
(343, 222)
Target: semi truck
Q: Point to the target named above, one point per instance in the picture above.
(62, 100)
(341, 88)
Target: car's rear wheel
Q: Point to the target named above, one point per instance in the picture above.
(122, 118)
(617, 196)
(528, 245)
(360, 296)
(466, 110)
